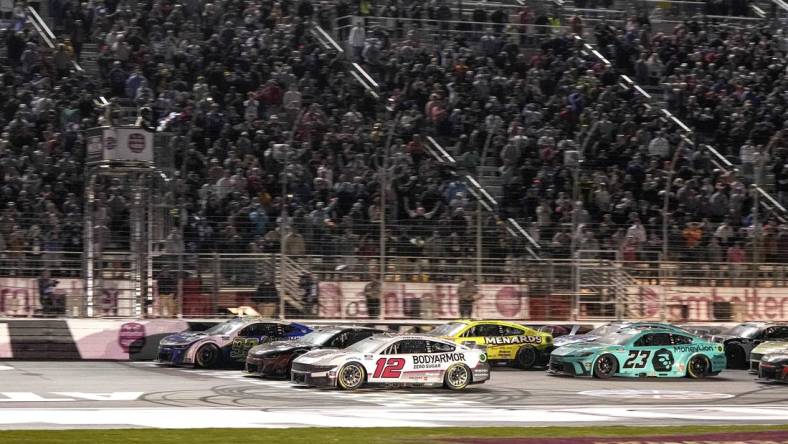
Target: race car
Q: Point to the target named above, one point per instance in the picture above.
(774, 367)
(635, 352)
(763, 349)
(226, 343)
(560, 330)
(739, 341)
(609, 328)
(274, 359)
(506, 342)
(417, 360)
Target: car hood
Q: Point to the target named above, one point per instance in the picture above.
(582, 347)
(771, 347)
(183, 338)
(323, 357)
(574, 339)
(278, 347)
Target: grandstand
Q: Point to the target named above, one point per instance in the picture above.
(573, 152)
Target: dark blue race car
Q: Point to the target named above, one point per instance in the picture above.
(225, 344)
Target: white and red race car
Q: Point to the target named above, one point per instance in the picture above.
(393, 360)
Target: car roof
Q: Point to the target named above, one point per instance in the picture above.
(492, 321)
(654, 325)
(419, 337)
(636, 330)
(339, 328)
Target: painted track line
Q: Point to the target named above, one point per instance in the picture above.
(381, 417)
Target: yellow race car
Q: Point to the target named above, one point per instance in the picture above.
(514, 344)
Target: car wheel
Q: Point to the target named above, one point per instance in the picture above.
(207, 356)
(526, 357)
(605, 366)
(698, 367)
(736, 356)
(457, 377)
(351, 376)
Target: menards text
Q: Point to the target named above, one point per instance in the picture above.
(502, 340)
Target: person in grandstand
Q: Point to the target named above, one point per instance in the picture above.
(266, 297)
(467, 294)
(372, 294)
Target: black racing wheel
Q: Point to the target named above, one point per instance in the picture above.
(526, 357)
(208, 356)
(605, 366)
(698, 367)
(737, 358)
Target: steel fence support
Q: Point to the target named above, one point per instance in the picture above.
(384, 181)
(217, 277)
(183, 216)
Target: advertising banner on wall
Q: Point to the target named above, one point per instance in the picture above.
(699, 303)
(20, 297)
(346, 300)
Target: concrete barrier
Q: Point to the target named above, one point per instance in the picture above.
(136, 339)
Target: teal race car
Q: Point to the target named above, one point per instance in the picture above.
(634, 352)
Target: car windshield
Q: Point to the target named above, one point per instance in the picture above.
(449, 329)
(225, 327)
(616, 338)
(318, 337)
(368, 345)
(604, 330)
(743, 331)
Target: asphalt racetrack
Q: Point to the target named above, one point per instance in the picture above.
(36, 395)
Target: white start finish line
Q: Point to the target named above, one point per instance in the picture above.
(685, 395)
(68, 396)
(54, 418)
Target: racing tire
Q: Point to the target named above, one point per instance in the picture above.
(526, 357)
(351, 376)
(698, 367)
(457, 377)
(605, 366)
(207, 356)
(736, 357)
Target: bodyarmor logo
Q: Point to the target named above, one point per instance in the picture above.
(438, 359)
(504, 340)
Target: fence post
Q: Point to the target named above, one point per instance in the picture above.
(181, 246)
(383, 204)
(217, 279)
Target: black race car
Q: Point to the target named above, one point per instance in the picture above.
(774, 367)
(274, 359)
(741, 339)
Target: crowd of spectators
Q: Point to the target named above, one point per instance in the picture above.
(274, 139)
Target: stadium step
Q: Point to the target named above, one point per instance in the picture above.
(491, 180)
(89, 59)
